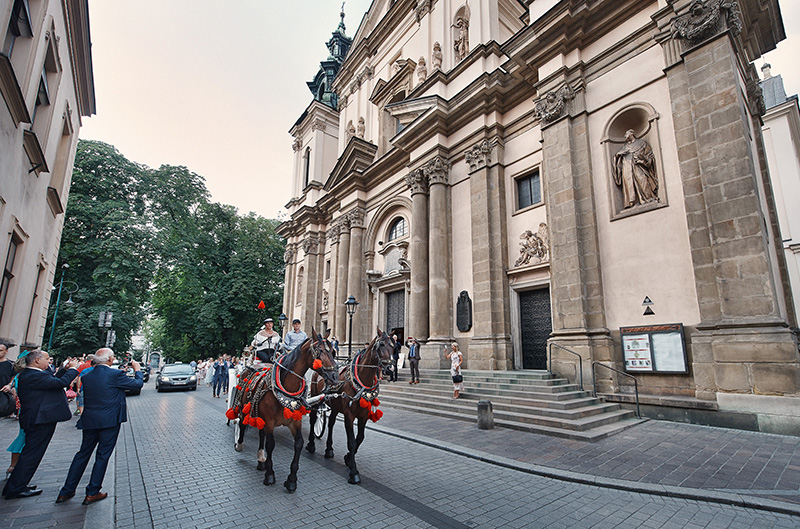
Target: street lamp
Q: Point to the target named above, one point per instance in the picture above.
(282, 319)
(351, 305)
(72, 287)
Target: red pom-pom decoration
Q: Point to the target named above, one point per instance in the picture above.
(317, 364)
(246, 408)
(230, 414)
(297, 416)
(246, 420)
(364, 403)
(239, 387)
(259, 422)
(378, 414)
(376, 402)
(286, 413)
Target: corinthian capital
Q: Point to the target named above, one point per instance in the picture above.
(297, 144)
(437, 171)
(310, 244)
(707, 18)
(288, 255)
(479, 155)
(554, 104)
(356, 217)
(417, 181)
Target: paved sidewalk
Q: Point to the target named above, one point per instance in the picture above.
(738, 467)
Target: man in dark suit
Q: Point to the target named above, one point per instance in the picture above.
(413, 359)
(104, 410)
(43, 404)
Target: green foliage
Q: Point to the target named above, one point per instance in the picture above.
(137, 237)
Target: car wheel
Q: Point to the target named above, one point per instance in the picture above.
(194, 388)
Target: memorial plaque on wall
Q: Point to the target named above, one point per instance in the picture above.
(654, 349)
(464, 312)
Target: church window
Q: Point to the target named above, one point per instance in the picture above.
(18, 26)
(399, 229)
(529, 190)
(306, 167)
(8, 271)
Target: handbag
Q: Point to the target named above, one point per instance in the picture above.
(457, 379)
(8, 404)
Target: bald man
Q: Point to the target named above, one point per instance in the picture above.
(104, 410)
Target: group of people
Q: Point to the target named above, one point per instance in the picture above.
(41, 393)
(454, 355)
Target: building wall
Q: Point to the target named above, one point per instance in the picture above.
(37, 150)
(553, 91)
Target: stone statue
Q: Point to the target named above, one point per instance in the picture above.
(436, 59)
(635, 171)
(361, 128)
(461, 44)
(535, 247)
(351, 130)
(422, 71)
(325, 300)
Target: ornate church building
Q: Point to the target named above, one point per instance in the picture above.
(582, 179)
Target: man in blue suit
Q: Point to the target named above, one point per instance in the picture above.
(43, 404)
(104, 410)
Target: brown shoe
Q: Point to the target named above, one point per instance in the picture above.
(97, 497)
(64, 497)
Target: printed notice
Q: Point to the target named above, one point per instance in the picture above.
(637, 351)
(668, 351)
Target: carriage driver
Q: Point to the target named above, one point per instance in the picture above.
(294, 337)
(266, 342)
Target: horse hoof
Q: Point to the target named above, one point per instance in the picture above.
(291, 486)
(269, 479)
(354, 479)
(311, 448)
(329, 454)
(238, 447)
(261, 466)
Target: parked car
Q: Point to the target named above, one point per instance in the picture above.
(176, 376)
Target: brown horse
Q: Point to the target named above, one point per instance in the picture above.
(280, 396)
(358, 395)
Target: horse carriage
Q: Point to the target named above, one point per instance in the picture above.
(269, 396)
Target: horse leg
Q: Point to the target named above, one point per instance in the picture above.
(269, 475)
(329, 444)
(239, 444)
(312, 420)
(262, 459)
(362, 424)
(350, 458)
(291, 481)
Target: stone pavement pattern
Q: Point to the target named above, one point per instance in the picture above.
(176, 467)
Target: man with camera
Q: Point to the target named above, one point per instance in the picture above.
(103, 412)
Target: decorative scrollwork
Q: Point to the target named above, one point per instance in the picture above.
(553, 105)
(704, 20)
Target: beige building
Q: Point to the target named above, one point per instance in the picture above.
(47, 85)
(515, 175)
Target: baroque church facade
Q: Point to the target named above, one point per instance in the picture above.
(553, 184)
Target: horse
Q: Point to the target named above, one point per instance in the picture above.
(360, 379)
(275, 397)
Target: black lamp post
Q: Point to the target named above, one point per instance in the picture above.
(351, 305)
(72, 287)
(282, 319)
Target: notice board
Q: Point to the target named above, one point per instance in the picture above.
(654, 349)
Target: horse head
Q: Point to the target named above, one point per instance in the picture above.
(383, 345)
(323, 350)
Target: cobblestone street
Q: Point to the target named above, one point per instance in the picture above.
(175, 467)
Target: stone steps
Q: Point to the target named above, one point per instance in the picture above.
(519, 402)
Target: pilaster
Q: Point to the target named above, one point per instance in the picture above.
(342, 260)
(356, 277)
(310, 312)
(418, 303)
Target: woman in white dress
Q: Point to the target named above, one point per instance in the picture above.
(455, 369)
(209, 371)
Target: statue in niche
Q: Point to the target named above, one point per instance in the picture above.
(361, 128)
(422, 71)
(351, 130)
(324, 299)
(535, 247)
(461, 44)
(635, 171)
(436, 59)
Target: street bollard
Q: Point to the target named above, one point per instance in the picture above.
(485, 415)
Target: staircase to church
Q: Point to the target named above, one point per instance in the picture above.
(531, 401)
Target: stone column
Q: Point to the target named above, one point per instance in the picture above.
(317, 321)
(490, 347)
(743, 345)
(288, 277)
(575, 274)
(333, 237)
(418, 297)
(356, 278)
(439, 265)
(342, 262)
(309, 311)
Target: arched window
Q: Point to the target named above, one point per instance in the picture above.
(399, 229)
(306, 167)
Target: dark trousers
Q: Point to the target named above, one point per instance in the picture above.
(37, 438)
(219, 381)
(393, 378)
(414, 364)
(105, 439)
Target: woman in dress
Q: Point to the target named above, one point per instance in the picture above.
(209, 371)
(455, 369)
(266, 342)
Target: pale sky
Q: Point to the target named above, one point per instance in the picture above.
(215, 85)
